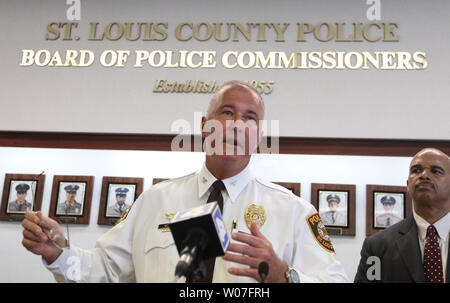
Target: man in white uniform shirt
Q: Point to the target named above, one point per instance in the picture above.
(290, 238)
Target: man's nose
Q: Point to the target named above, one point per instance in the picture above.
(425, 174)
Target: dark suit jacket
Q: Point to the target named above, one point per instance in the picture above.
(399, 253)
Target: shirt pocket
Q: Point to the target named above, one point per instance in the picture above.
(161, 256)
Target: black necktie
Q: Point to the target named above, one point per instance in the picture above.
(215, 195)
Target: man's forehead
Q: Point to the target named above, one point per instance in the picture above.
(242, 93)
(431, 157)
(249, 105)
(233, 106)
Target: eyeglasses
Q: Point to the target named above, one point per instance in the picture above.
(54, 236)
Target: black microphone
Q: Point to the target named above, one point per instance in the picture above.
(263, 271)
(194, 245)
(199, 234)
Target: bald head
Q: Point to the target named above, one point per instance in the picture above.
(432, 151)
(429, 180)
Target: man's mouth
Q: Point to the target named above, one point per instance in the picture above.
(425, 185)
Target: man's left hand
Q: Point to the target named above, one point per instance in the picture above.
(255, 250)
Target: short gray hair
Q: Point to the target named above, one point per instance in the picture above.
(226, 86)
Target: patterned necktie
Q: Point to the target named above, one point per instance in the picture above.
(215, 195)
(432, 261)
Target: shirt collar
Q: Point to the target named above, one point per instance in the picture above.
(234, 185)
(442, 225)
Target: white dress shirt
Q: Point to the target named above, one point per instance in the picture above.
(135, 250)
(442, 227)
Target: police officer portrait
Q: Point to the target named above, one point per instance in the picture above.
(333, 208)
(120, 198)
(389, 209)
(21, 196)
(71, 196)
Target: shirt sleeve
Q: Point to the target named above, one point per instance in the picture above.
(314, 257)
(109, 261)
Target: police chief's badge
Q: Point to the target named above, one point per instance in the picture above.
(255, 213)
(320, 232)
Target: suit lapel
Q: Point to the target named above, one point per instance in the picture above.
(408, 247)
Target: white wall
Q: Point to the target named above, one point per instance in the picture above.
(18, 265)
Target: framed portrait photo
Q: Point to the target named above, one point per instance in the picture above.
(71, 199)
(336, 206)
(293, 187)
(21, 193)
(118, 194)
(386, 206)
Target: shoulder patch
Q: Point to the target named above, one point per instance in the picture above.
(319, 232)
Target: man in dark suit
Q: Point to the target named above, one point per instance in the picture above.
(415, 249)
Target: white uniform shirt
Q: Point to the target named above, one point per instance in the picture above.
(442, 227)
(135, 250)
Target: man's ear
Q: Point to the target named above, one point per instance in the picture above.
(202, 126)
(260, 136)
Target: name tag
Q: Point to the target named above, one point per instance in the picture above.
(164, 227)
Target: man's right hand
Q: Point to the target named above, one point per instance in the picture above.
(42, 236)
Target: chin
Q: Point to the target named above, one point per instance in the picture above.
(423, 196)
(233, 158)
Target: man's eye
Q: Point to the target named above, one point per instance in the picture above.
(414, 170)
(227, 112)
(437, 171)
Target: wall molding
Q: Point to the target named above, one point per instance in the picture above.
(288, 145)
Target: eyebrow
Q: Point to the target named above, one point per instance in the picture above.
(438, 167)
(226, 105)
(431, 166)
(232, 107)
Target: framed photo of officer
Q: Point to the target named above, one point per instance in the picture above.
(118, 194)
(71, 199)
(293, 187)
(386, 206)
(336, 206)
(21, 193)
